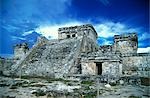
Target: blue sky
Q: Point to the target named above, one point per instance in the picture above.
(25, 20)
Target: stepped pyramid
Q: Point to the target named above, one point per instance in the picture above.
(76, 53)
(59, 57)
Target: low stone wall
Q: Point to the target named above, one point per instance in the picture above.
(5, 65)
(136, 64)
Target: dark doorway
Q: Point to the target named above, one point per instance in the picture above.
(68, 36)
(99, 68)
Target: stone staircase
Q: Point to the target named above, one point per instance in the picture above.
(50, 59)
(71, 69)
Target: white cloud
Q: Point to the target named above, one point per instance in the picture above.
(105, 30)
(10, 28)
(144, 36)
(48, 31)
(27, 33)
(109, 29)
(17, 38)
(144, 50)
(51, 31)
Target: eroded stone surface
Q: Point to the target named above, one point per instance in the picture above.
(76, 52)
(53, 88)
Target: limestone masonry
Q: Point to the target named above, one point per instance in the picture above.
(76, 52)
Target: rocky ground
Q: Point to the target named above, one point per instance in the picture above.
(60, 88)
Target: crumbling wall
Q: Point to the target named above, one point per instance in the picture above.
(88, 45)
(56, 58)
(110, 63)
(136, 64)
(20, 50)
(112, 68)
(75, 31)
(5, 65)
(106, 49)
(50, 59)
(88, 68)
(108, 68)
(126, 43)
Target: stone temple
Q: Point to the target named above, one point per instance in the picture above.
(76, 52)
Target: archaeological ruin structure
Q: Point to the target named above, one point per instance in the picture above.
(76, 52)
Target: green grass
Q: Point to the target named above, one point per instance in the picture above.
(87, 82)
(90, 95)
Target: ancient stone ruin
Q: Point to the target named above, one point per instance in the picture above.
(76, 52)
(75, 66)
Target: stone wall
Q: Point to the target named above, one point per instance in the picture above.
(106, 49)
(136, 64)
(20, 50)
(88, 68)
(109, 62)
(51, 59)
(57, 58)
(5, 65)
(112, 68)
(107, 68)
(75, 31)
(126, 43)
(88, 45)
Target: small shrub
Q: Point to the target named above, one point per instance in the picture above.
(57, 79)
(145, 81)
(113, 84)
(90, 95)
(87, 88)
(87, 82)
